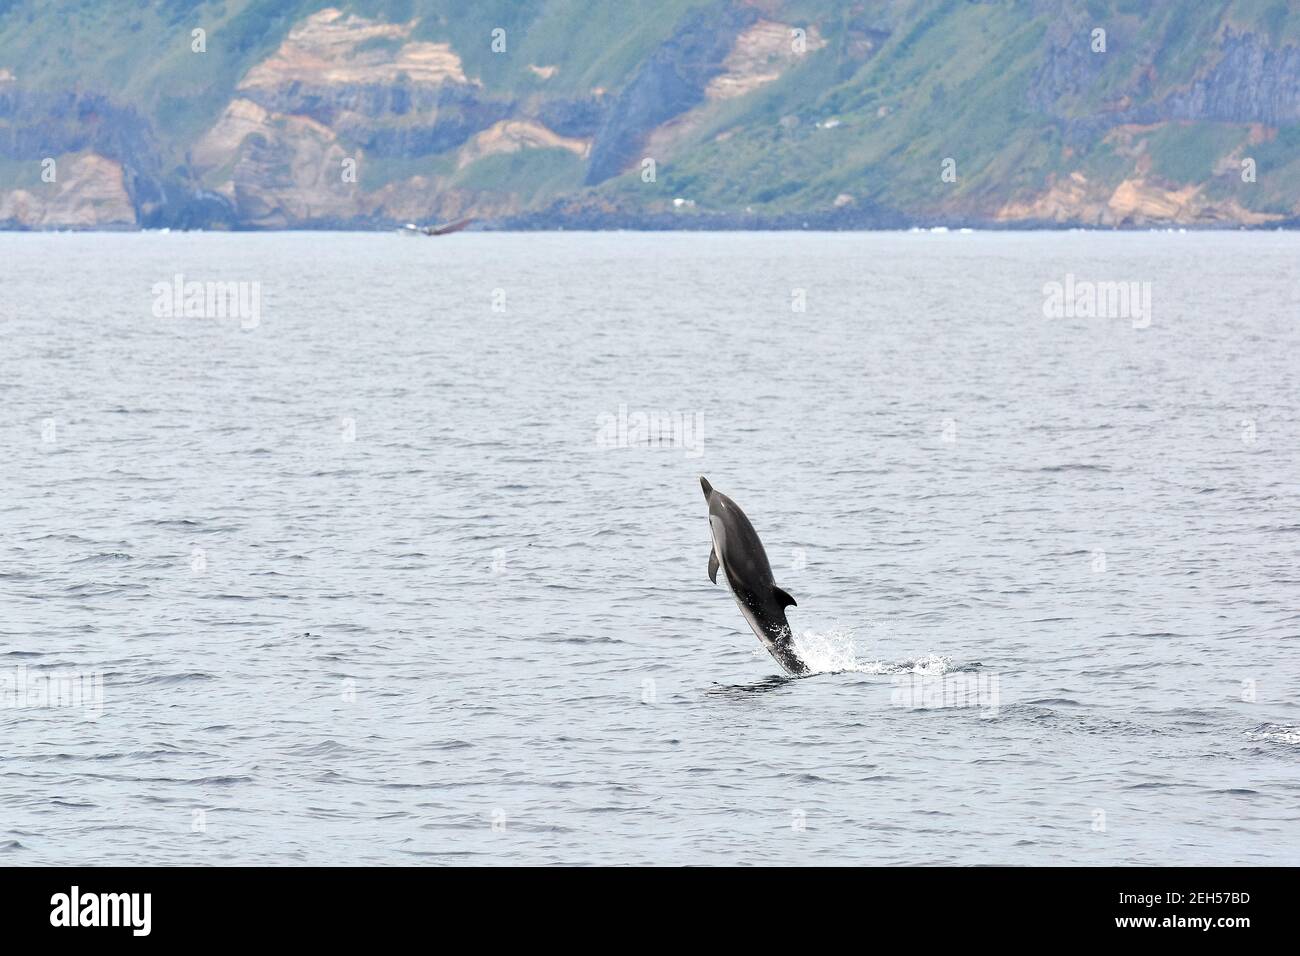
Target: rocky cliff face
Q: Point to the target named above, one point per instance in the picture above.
(1253, 82)
(1246, 80)
(87, 192)
(762, 113)
(669, 83)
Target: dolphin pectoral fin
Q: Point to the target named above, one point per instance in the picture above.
(713, 565)
(782, 598)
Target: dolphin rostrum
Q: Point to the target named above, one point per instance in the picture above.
(737, 550)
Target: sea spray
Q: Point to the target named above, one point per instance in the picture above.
(837, 650)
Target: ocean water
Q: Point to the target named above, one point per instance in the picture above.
(409, 565)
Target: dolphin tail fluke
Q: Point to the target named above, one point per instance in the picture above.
(783, 597)
(713, 565)
(708, 488)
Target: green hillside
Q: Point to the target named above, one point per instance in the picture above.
(541, 113)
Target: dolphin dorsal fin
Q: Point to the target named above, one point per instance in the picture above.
(783, 598)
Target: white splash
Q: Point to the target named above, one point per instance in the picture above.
(1277, 733)
(837, 650)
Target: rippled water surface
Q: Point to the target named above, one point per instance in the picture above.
(382, 579)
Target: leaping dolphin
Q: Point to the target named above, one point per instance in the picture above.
(737, 550)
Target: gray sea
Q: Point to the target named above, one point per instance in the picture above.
(404, 561)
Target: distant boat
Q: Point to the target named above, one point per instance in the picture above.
(411, 229)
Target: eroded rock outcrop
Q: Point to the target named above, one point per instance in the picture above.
(89, 191)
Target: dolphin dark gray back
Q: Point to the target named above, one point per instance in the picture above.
(745, 553)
